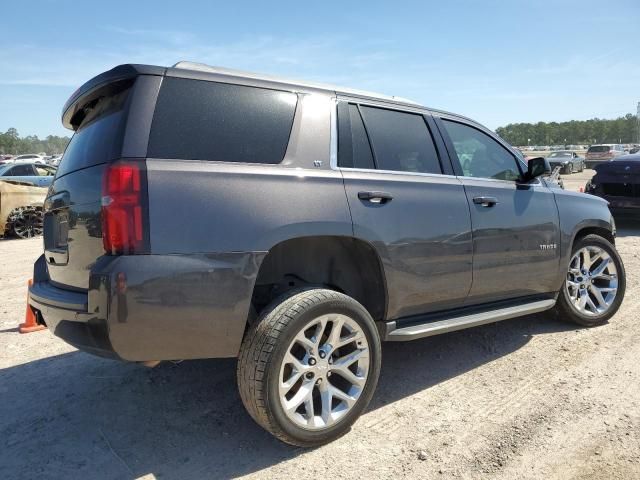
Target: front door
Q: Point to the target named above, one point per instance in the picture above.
(516, 236)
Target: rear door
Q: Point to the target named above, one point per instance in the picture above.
(405, 202)
(515, 225)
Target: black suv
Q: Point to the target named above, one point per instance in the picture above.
(201, 212)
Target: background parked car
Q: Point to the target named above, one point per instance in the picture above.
(20, 209)
(567, 160)
(602, 153)
(54, 160)
(29, 157)
(618, 182)
(34, 173)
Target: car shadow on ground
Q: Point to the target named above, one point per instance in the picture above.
(78, 416)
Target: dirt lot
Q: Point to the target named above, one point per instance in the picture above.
(527, 398)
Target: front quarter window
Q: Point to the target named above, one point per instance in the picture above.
(480, 155)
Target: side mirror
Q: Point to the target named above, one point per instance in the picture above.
(536, 167)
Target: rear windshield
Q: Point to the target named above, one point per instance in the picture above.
(202, 120)
(99, 136)
(599, 149)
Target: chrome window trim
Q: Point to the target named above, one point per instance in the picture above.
(333, 147)
(333, 155)
(396, 172)
(333, 150)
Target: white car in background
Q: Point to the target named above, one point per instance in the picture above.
(29, 157)
(54, 160)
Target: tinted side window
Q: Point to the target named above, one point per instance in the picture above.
(479, 154)
(21, 171)
(202, 120)
(401, 141)
(354, 150)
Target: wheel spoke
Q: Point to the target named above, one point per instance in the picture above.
(599, 270)
(288, 384)
(308, 406)
(582, 299)
(308, 344)
(305, 392)
(607, 289)
(317, 336)
(595, 291)
(336, 330)
(297, 364)
(339, 394)
(347, 360)
(586, 259)
(326, 399)
(349, 376)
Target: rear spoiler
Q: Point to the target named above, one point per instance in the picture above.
(72, 112)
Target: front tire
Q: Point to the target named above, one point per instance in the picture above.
(595, 285)
(309, 366)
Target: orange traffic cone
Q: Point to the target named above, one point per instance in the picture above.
(30, 324)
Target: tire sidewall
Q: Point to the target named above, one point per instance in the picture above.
(355, 311)
(592, 320)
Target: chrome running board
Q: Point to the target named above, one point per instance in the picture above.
(459, 322)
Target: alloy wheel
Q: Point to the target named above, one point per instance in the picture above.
(592, 281)
(324, 371)
(27, 223)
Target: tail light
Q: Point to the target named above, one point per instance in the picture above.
(124, 216)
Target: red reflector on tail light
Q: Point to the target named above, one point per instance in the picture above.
(122, 208)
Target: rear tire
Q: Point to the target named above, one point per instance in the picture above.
(309, 366)
(595, 284)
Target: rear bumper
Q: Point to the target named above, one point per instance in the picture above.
(594, 162)
(66, 314)
(168, 306)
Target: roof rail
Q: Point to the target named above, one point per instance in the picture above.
(201, 67)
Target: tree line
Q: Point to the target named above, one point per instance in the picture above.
(576, 132)
(11, 143)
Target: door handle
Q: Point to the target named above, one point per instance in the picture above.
(375, 197)
(485, 201)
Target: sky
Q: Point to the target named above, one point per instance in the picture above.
(496, 61)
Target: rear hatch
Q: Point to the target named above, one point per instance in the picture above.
(599, 151)
(619, 178)
(73, 223)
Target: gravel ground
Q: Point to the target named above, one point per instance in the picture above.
(528, 398)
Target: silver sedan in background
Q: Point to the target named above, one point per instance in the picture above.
(567, 160)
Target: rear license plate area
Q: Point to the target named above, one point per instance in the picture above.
(56, 235)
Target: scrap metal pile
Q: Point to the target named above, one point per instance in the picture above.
(21, 209)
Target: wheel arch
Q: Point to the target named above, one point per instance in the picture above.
(597, 229)
(343, 263)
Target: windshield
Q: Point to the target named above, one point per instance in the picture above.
(560, 155)
(599, 149)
